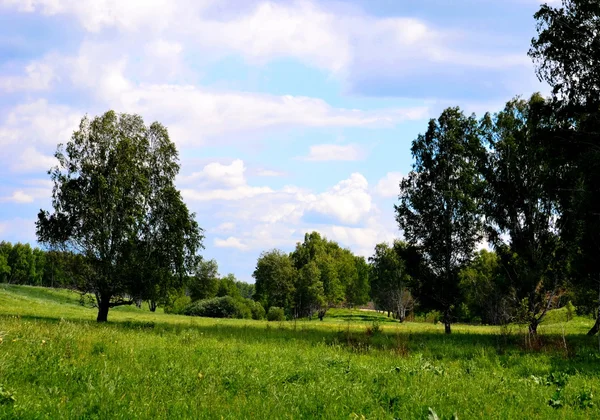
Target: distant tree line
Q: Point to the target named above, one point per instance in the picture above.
(22, 264)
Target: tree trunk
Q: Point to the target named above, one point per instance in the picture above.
(153, 306)
(103, 307)
(447, 328)
(596, 326)
(533, 327)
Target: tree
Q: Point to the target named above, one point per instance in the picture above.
(246, 289)
(116, 204)
(227, 287)
(566, 52)
(390, 281)
(5, 270)
(309, 296)
(275, 277)
(520, 211)
(21, 263)
(485, 291)
(438, 210)
(357, 291)
(204, 282)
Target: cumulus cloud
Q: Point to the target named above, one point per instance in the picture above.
(389, 185)
(31, 160)
(230, 242)
(371, 54)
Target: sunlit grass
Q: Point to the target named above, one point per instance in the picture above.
(56, 362)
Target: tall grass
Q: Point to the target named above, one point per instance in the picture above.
(56, 362)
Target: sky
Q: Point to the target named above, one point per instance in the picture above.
(289, 116)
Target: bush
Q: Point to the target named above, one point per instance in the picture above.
(275, 314)
(433, 317)
(570, 308)
(178, 305)
(219, 307)
(258, 312)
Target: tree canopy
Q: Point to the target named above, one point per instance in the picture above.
(114, 202)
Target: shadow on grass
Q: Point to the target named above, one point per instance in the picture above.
(580, 354)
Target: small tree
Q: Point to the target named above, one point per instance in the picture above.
(275, 276)
(115, 203)
(204, 281)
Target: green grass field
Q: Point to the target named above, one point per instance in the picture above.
(56, 362)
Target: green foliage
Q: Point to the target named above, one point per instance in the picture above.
(256, 308)
(204, 282)
(439, 209)
(483, 287)
(570, 308)
(390, 280)
(520, 213)
(246, 290)
(309, 295)
(433, 317)
(275, 314)
(115, 202)
(227, 287)
(178, 304)
(275, 276)
(219, 307)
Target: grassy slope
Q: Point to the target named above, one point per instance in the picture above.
(58, 363)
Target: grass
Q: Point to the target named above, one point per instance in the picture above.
(56, 362)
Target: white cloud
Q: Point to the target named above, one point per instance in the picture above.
(348, 44)
(230, 242)
(36, 189)
(217, 181)
(20, 197)
(39, 122)
(39, 75)
(348, 201)
(225, 227)
(268, 173)
(333, 152)
(389, 185)
(31, 160)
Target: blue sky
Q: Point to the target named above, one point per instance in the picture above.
(290, 116)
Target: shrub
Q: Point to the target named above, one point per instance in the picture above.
(258, 312)
(219, 307)
(433, 317)
(570, 308)
(178, 305)
(275, 314)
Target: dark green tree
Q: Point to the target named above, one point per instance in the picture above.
(204, 281)
(357, 290)
(439, 209)
(390, 281)
(275, 277)
(566, 52)
(115, 203)
(485, 291)
(310, 296)
(228, 287)
(520, 208)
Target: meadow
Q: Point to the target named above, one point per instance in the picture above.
(57, 362)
